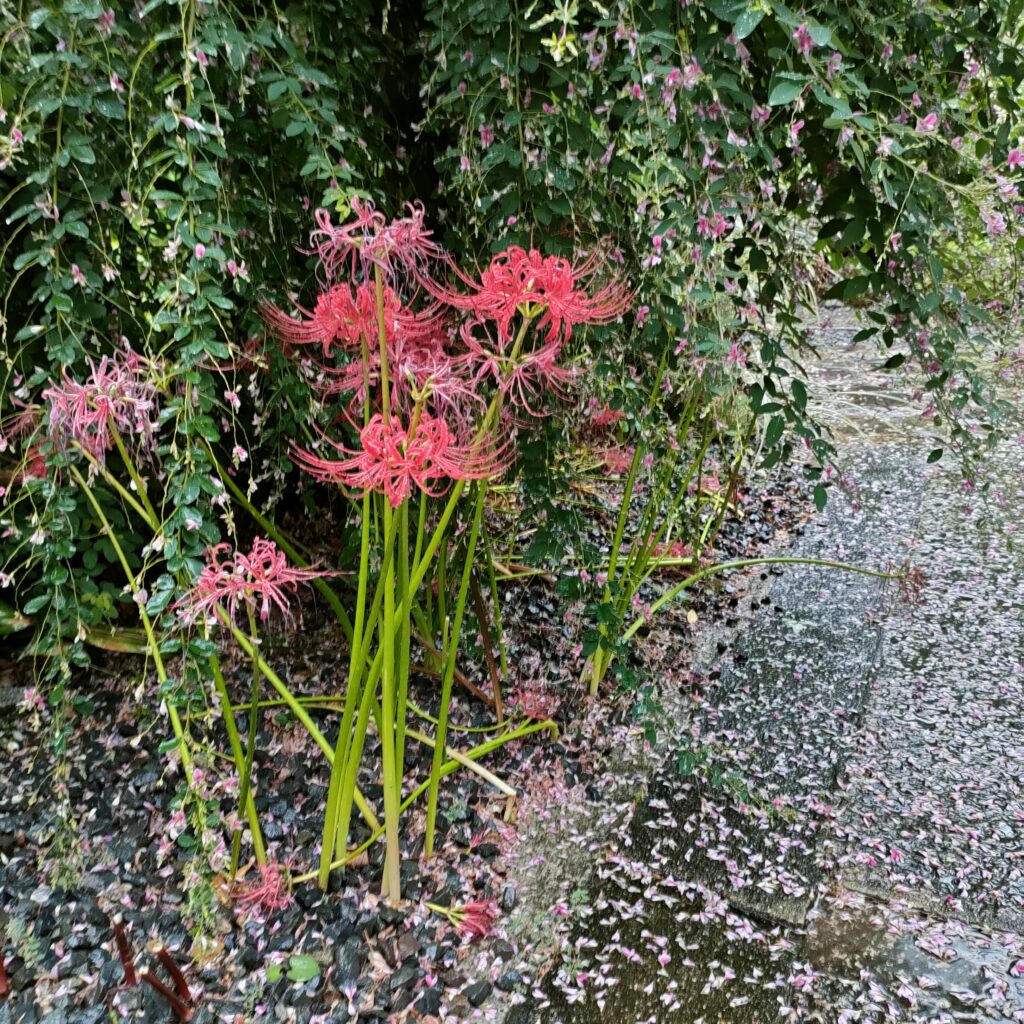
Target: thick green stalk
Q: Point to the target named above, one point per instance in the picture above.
(352, 692)
(492, 580)
(392, 883)
(442, 596)
(355, 756)
(239, 756)
(294, 706)
(449, 673)
(404, 640)
(447, 769)
(250, 747)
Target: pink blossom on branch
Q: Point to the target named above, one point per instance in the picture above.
(395, 459)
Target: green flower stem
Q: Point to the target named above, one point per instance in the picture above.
(346, 770)
(447, 769)
(442, 602)
(140, 485)
(454, 755)
(355, 756)
(286, 545)
(294, 706)
(634, 467)
(419, 570)
(492, 581)
(392, 883)
(335, 704)
(147, 625)
(449, 673)
(123, 491)
(250, 748)
(404, 640)
(382, 342)
(427, 717)
(236, 749)
(742, 563)
(341, 750)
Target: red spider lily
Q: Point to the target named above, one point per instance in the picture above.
(394, 459)
(474, 919)
(517, 280)
(420, 368)
(370, 240)
(525, 379)
(536, 703)
(267, 893)
(477, 919)
(260, 578)
(342, 316)
(602, 417)
(116, 392)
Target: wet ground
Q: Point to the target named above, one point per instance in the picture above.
(848, 845)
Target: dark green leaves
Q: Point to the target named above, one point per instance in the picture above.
(786, 87)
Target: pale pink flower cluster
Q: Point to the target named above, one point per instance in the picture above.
(261, 580)
(117, 395)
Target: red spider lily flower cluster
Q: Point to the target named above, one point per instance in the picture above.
(517, 280)
(116, 395)
(445, 358)
(261, 579)
(344, 315)
(475, 919)
(266, 893)
(395, 459)
(369, 240)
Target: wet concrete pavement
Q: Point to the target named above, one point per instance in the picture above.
(851, 845)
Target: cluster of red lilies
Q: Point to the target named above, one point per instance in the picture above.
(397, 318)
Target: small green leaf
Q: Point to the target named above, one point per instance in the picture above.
(821, 35)
(786, 89)
(820, 497)
(934, 455)
(302, 968)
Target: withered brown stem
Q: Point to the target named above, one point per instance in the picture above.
(171, 965)
(124, 951)
(181, 1011)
